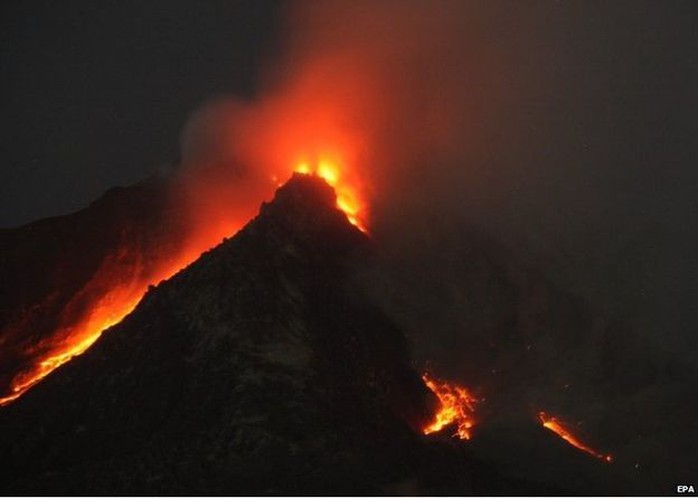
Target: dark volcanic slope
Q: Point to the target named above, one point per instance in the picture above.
(46, 265)
(257, 369)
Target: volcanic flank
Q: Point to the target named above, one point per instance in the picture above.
(65, 279)
(258, 369)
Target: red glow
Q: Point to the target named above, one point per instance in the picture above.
(119, 285)
(348, 197)
(457, 406)
(553, 424)
(111, 296)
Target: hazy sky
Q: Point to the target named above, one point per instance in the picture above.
(590, 153)
(94, 94)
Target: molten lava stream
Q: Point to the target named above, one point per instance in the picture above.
(553, 424)
(86, 333)
(114, 295)
(107, 308)
(457, 406)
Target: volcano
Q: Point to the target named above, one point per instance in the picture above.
(261, 368)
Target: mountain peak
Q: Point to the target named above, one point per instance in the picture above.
(259, 368)
(306, 203)
(303, 191)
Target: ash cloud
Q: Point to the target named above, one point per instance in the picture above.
(530, 172)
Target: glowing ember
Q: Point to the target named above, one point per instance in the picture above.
(553, 424)
(457, 406)
(348, 199)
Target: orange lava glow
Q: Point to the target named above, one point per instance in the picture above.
(457, 406)
(553, 424)
(124, 278)
(348, 198)
(88, 332)
(106, 309)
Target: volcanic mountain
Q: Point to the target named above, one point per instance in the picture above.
(260, 368)
(267, 367)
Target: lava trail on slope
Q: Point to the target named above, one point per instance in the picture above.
(261, 368)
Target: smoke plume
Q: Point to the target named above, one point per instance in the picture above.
(549, 126)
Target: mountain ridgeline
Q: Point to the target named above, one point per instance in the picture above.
(260, 368)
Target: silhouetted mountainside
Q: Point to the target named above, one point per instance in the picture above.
(265, 367)
(46, 265)
(258, 369)
(486, 317)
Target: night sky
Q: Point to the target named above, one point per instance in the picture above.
(95, 94)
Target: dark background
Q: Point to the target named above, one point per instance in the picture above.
(94, 94)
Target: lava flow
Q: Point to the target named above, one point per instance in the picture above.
(553, 424)
(457, 406)
(111, 296)
(124, 278)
